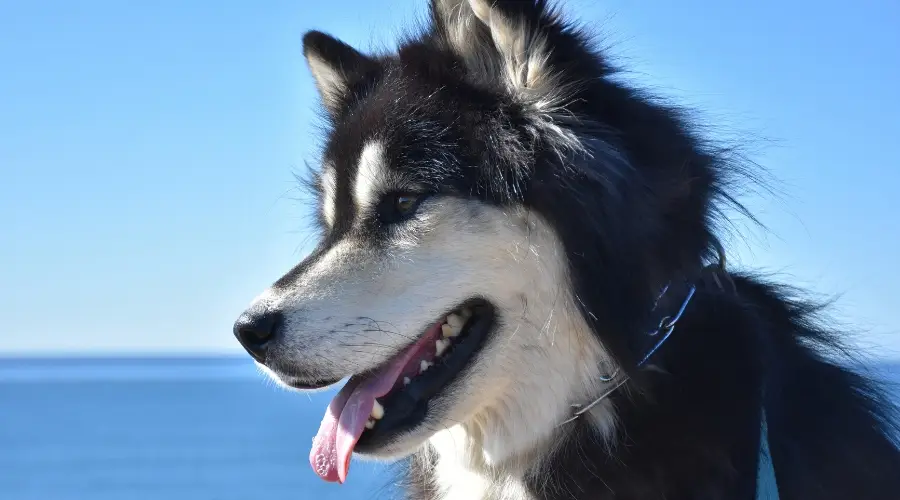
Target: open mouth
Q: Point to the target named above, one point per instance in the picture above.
(376, 406)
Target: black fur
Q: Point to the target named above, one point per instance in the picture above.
(634, 210)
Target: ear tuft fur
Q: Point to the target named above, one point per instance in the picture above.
(501, 40)
(336, 68)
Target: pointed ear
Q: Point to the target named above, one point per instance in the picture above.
(337, 69)
(508, 41)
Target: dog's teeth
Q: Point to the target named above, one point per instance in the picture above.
(370, 424)
(424, 365)
(406, 380)
(466, 313)
(377, 411)
(449, 331)
(456, 321)
(441, 345)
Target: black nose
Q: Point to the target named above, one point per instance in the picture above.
(255, 330)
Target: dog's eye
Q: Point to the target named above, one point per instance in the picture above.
(404, 204)
(398, 207)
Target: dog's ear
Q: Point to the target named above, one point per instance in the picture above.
(503, 40)
(338, 69)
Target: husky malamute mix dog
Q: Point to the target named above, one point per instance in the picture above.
(519, 274)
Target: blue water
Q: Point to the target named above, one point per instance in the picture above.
(162, 429)
(172, 429)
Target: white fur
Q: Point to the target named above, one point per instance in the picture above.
(330, 81)
(371, 173)
(328, 187)
(356, 307)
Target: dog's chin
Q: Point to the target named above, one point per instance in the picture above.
(294, 383)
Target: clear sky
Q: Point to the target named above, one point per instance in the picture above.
(147, 151)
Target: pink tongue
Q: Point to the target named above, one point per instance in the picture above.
(346, 417)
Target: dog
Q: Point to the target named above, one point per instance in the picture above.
(519, 271)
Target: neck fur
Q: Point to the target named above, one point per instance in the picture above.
(494, 454)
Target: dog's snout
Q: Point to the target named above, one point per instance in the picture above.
(255, 330)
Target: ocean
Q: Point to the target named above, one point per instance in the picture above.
(165, 428)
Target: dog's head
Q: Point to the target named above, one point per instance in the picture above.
(495, 216)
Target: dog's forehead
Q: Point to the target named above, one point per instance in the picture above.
(374, 152)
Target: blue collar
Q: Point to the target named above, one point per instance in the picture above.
(766, 485)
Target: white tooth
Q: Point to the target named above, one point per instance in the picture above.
(370, 424)
(377, 411)
(466, 313)
(441, 345)
(449, 331)
(456, 321)
(406, 380)
(424, 366)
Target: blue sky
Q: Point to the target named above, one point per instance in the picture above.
(147, 151)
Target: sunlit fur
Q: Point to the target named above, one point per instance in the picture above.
(567, 200)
